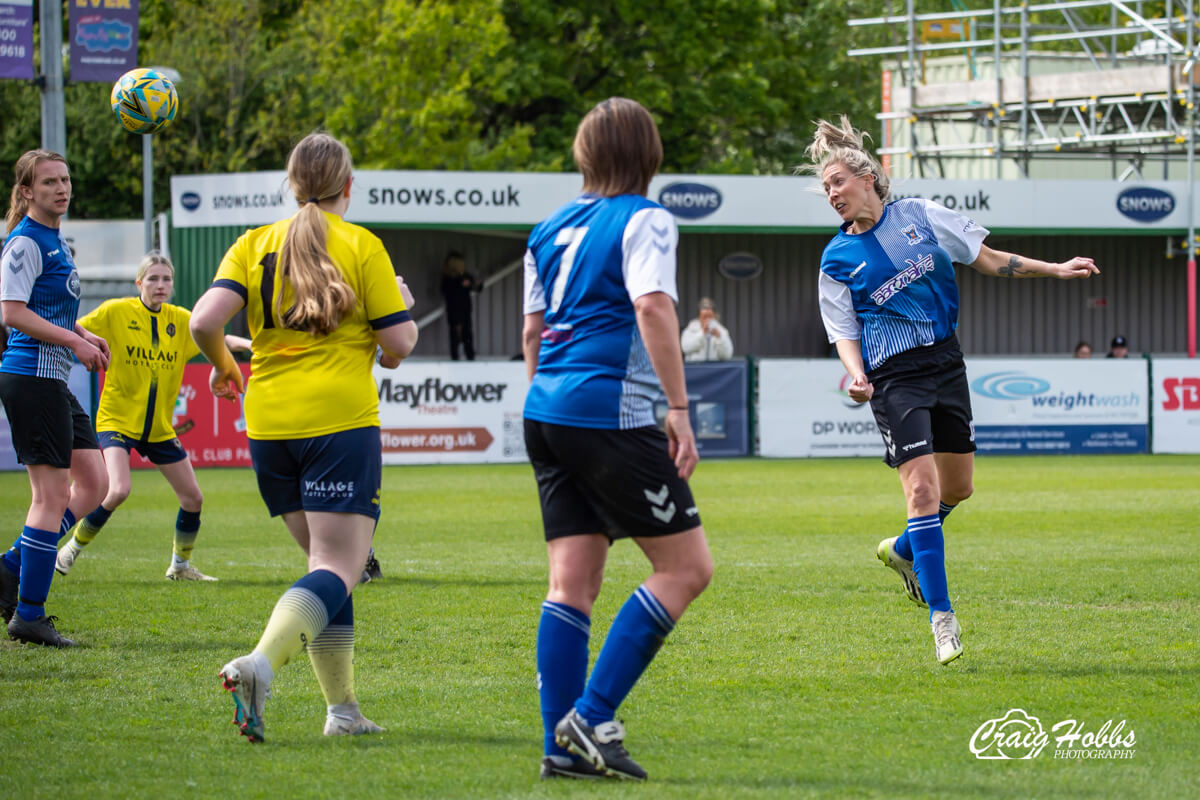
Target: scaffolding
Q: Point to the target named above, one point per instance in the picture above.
(1120, 88)
(1083, 80)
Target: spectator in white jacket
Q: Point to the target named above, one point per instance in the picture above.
(704, 338)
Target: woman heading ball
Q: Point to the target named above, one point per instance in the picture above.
(320, 295)
(889, 300)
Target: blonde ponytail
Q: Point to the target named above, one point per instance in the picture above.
(318, 169)
(842, 144)
(23, 174)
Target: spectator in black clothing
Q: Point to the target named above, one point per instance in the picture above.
(1119, 348)
(457, 285)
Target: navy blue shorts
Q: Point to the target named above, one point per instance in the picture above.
(337, 472)
(161, 453)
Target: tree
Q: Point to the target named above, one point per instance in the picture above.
(734, 84)
(399, 79)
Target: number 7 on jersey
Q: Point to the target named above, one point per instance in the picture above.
(572, 238)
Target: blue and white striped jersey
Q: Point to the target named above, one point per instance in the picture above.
(893, 287)
(36, 268)
(584, 267)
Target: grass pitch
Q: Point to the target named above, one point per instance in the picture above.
(803, 671)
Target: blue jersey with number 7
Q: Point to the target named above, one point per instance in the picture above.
(585, 266)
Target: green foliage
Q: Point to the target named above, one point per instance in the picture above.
(802, 672)
(465, 85)
(398, 80)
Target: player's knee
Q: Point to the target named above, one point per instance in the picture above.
(923, 493)
(117, 494)
(192, 500)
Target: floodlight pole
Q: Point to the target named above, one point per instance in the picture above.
(148, 188)
(54, 117)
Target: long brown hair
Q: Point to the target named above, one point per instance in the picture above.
(317, 170)
(617, 148)
(842, 144)
(18, 206)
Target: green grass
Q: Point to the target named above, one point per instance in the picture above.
(803, 671)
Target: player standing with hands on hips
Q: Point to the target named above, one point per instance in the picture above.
(320, 295)
(601, 343)
(889, 301)
(52, 434)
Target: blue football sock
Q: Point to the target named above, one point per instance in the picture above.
(903, 547)
(68, 522)
(12, 556)
(38, 549)
(98, 516)
(637, 633)
(562, 659)
(929, 560)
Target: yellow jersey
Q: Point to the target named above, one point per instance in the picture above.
(149, 350)
(303, 385)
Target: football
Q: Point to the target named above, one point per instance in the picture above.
(144, 101)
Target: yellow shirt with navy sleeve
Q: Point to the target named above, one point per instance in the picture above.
(149, 351)
(303, 385)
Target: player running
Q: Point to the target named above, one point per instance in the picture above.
(151, 345)
(52, 434)
(601, 343)
(889, 301)
(319, 295)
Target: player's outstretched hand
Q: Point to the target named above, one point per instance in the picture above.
(1077, 267)
(226, 382)
(682, 442)
(860, 389)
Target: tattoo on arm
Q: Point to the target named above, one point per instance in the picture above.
(1012, 268)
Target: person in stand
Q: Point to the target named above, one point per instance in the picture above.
(457, 286)
(52, 434)
(1083, 350)
(320, 295)
(705, 338)
(1118, 348)
(152, 343)
(601, 342)
(889, 301)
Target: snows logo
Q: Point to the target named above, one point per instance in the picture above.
(1016, 735)
(1019, 736)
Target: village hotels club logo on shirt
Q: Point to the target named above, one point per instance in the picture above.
(1019, 736)
(689, 200)
(1145, 204)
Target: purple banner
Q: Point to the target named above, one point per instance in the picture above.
(104, 39)
(16, 39)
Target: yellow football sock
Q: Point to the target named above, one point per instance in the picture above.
(332, 656)
(298, 618)
(84, 533)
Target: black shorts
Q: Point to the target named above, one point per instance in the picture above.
(47, 421)
(922, 403)
(168, 451)
(619, 483)
(338, 472)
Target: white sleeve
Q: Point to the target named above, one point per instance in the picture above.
(648, 249)
(961, 237)
(20, 266)
(723, 343)
(535, 295)
(837, 310)
(691, 341)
